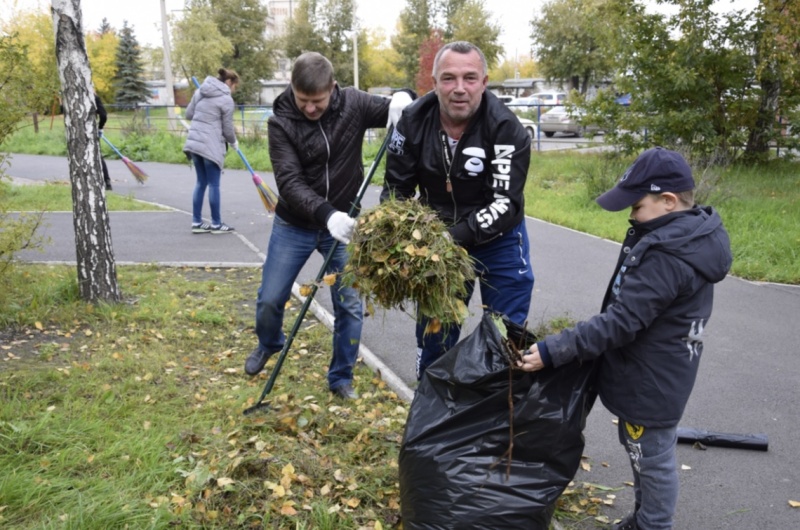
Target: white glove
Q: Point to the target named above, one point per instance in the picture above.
(341, 227)
(400, 100)
(235, 145)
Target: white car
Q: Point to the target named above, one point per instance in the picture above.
(530, 126)
(551, 98)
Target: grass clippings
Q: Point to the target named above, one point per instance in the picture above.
(400, 253)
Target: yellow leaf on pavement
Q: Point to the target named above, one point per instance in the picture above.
(794, 504)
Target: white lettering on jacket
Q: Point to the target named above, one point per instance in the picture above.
(500, 182)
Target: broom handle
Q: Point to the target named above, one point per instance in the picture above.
(307, 303)
(246, 163)
(112, 146)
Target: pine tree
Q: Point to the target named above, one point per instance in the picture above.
(129, 82)
(105, 27)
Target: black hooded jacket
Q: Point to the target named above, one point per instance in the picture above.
(487, 172)
(317, 164)
(655, 309)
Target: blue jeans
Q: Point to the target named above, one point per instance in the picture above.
(506, 281)
(208, 176)
(655, 473)
(289, 249)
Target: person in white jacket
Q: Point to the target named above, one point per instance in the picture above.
(211, 112)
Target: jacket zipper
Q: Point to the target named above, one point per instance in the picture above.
(327, 173)
(448, 158)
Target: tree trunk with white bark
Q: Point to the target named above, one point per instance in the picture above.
(97, 272)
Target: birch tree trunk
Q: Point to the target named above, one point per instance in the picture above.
(97, 272)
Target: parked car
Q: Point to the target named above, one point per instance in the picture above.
(524, 104)
(530, 126)
(559, 119)
(506, 99)
(551, 98)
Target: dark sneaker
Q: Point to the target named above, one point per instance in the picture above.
(345, 391)
(256, 361)
(108, 185)
(628, 523)
(202, 228)
(222, 229)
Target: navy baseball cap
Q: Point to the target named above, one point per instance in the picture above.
(657, 170)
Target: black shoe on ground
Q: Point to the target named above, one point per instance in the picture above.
(222, 229)
(345, 391)
(628, 523)
(202, 228)
(108, 185)
(256, 361)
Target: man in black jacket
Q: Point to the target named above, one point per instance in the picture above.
(468, 155)
(102, 118)
(315, 138)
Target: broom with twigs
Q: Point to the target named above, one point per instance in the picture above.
(135, 170)
(268, 197)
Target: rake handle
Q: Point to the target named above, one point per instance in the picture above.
(307, 303)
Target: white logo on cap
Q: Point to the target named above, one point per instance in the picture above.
(653, 187)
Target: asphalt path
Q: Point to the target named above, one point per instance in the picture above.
(749, 380)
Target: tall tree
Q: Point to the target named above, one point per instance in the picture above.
(377, 62)
(427, 52)
(243, 23)
(471, 22)
(129, 79)
(777, 47)
(414, 27)
(102, 50)
(17, 230)
(97, 274)
(198, 47)
(105, 28)
(570, 41)
(34, 33)
(512, 69)
(326, 27)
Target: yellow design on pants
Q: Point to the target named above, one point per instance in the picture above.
(634, 431)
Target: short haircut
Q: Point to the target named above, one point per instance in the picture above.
(686, 197)
(228, 75)
(312, 73)
(459, 46)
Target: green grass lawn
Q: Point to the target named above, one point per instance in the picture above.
(130, 415)
(57, 197)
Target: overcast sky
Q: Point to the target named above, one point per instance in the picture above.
(145, 16)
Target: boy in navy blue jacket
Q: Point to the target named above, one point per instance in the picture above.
(649, 334)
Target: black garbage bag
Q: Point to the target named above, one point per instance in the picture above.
(454, 470)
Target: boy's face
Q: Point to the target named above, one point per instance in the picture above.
(653, 206)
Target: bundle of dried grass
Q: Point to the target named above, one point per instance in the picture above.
(401, 251)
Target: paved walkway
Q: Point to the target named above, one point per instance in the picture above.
(749, 379)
